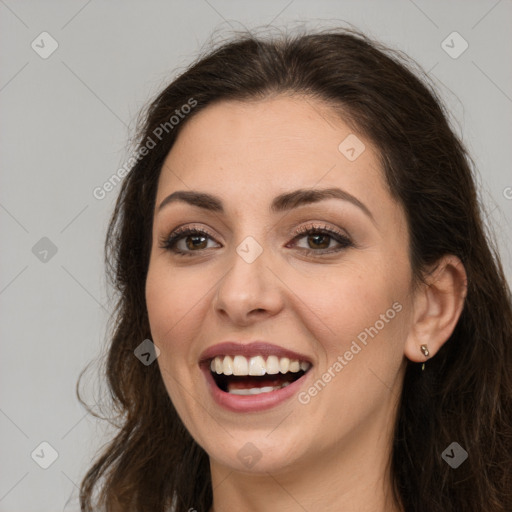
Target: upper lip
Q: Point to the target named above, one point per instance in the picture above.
(254, 348)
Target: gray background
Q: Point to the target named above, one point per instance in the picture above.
(66, 123)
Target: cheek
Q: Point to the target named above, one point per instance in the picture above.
(365, 305)
(171, 298)
(171, 303)
(177, 303)
(161, 304)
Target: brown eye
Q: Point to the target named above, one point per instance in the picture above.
(196, 242)
(186, 241)
(319, 240)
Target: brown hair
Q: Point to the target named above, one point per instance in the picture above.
(465, 392)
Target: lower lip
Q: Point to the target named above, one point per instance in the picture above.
(251, 403)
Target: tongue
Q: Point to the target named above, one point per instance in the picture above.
(250, 382)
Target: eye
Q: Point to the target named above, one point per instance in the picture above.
(319, 238)
(193, 239)
(188, 240)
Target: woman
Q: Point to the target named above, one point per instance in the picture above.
(300, 244)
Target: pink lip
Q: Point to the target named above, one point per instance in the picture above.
(249, 403)
(255, 348)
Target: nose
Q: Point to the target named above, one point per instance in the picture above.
(249, 292)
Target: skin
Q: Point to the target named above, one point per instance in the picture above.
(331, 453)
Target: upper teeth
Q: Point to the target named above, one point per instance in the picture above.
(240, 365)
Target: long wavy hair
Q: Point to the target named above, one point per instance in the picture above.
(465, 392)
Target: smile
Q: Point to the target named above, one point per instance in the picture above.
(240, 375)
(253, 376)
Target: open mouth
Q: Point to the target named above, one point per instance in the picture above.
(239, 375)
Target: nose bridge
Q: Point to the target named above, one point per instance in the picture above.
(250, 238)
(249, 285)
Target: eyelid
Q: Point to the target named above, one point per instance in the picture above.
(321, 227)
(169, 241)
(344, 240)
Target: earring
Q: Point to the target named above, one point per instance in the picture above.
(426, 353)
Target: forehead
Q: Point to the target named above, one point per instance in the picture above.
(255, 148)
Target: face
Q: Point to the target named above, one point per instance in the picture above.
(304, 298)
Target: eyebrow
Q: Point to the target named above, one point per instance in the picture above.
(281, 203)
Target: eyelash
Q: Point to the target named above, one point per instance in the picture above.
(170, 241)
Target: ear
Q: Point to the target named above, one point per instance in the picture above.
(437, 307)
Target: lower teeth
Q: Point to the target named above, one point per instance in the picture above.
(257, 391)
